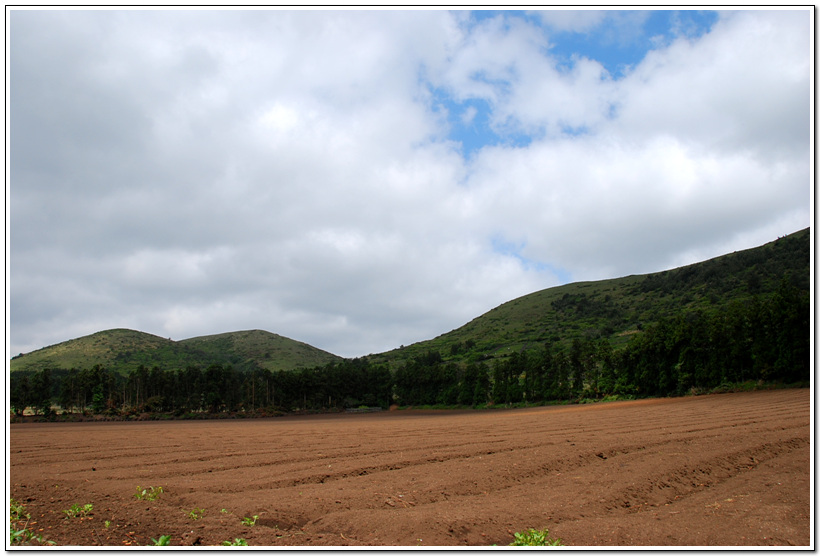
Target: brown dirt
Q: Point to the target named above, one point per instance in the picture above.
(718, 470)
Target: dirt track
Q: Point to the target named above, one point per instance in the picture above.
(729, 469)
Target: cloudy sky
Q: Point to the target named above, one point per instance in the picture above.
(358, 180)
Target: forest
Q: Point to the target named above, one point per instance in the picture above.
(760, 339)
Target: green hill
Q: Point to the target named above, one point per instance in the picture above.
(258, 347)
(121, 351)
(617, 308)
(110, 348)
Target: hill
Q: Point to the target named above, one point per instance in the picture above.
(618, 308)
(122, 350)
(258, 347)
(118, 347)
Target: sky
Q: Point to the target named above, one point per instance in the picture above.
(364, 179)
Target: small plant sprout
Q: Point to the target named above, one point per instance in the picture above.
(196, 513)
(224, 511)
(235, 542)
(250, 521)
(78, 511)
(107, 524)
(148, 493)
(164, 540)
(533, 537)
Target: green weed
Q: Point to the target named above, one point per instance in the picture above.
(78, 511)
(235, 542)
(533, 537)
(250, 521)
(164, 540)
(196, 513)
(148, 493)
(25, 536)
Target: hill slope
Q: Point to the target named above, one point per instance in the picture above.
(109, 348)
(121, 351)
(619, 307)
(265, 349)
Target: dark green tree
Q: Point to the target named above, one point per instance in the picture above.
(20, 393)
(41, 392)
(98, 399)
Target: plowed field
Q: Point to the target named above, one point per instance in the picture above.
(728, 469)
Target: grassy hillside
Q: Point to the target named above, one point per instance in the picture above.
(110, 348)
(265, 349)
(620, 307)
(122, 350)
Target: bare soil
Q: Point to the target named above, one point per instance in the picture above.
(717, 470)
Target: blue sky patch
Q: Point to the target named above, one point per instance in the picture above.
(469, 123)
(623, 38)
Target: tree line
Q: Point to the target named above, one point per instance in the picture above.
(215, 389)
(757, 339)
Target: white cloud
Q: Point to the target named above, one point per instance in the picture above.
(629, 208)
(612, 26)
(281, 119)
(579, 21)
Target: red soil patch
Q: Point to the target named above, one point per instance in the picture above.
(728, 469)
